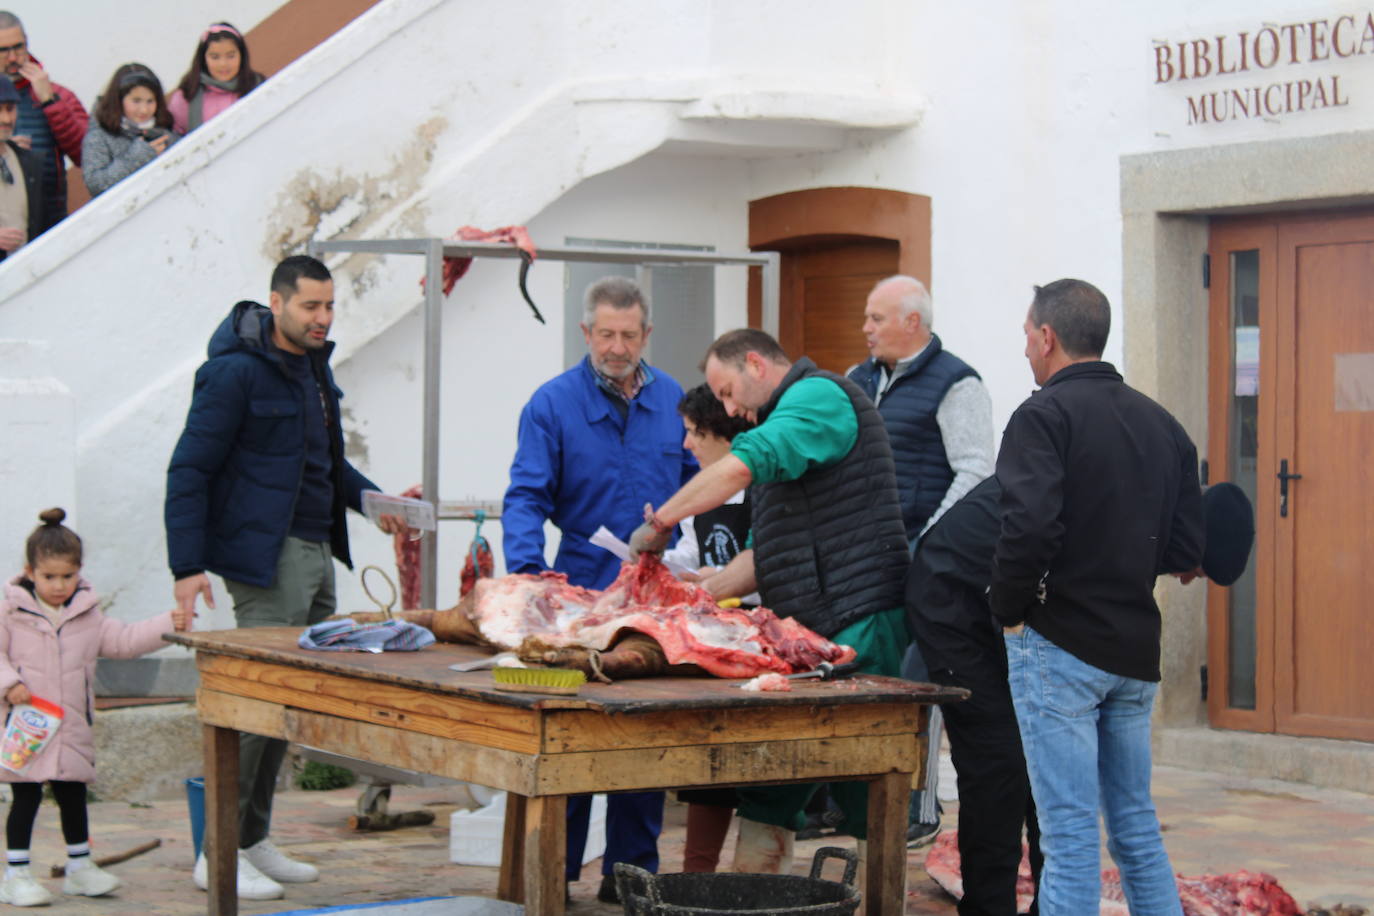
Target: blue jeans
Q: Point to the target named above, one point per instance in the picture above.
(633, 822)
(1086, 735)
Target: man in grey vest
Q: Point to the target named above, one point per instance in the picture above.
(939, 417)
(829, 548)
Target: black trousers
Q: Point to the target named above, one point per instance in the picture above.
(71, 803)
(994, 790)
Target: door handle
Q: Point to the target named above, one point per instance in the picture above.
(1284, 477)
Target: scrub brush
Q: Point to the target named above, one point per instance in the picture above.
(564, 681)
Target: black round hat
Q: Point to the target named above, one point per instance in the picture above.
(1230, 521)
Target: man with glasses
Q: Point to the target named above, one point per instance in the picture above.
(51, 121)
(21, 198)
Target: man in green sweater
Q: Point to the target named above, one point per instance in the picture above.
(828, 543)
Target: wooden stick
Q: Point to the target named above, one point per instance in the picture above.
(59, 871)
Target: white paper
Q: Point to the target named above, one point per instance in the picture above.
(603, 538)
(418, 513)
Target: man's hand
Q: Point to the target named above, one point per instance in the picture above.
(18, 694)
(186, 590)
(650, 537)
(1013, 631)
(42, 86)
(392, 524)
(11, 238)
(23, 141)
(1190, 575)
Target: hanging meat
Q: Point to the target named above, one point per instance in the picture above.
(479, 563)
(646, 623)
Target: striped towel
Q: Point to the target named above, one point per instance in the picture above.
(351, 636)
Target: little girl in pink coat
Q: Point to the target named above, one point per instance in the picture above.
(51, 632)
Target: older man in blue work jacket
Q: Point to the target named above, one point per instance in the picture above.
(596, 444)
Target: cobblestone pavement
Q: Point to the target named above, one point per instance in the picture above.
(1318, 842)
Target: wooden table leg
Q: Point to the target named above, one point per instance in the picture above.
(884, 892)
(510, 884)
(546, 837)
(221, 839)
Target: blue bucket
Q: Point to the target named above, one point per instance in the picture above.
(195, 804)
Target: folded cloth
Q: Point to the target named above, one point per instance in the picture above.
(351, 636)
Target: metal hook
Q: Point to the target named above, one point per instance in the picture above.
(384, 608)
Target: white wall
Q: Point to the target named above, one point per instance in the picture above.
(82, 42)
(525, 112)
(138, 279)
(1030, 105)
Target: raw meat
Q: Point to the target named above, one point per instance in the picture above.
(408, 560)
(478, 562)
(1239, 893)
(533, 615)
(454, 268)
(769, 681)
(942, 864)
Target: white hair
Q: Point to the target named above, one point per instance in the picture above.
(916, 298)
(617, 292)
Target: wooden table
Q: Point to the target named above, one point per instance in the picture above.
(408, 709)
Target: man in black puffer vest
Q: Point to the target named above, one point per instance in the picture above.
(829, 547)
(939, 418)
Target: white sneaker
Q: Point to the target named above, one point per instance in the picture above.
(252, 884)
(22, 890)
(90, 881)
(273, 863)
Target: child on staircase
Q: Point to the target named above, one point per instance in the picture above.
(51, 632)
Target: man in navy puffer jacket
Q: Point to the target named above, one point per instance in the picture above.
(257, 492)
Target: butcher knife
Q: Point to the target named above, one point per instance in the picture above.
(825, 672)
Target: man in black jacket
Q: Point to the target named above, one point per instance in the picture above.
(21, 175)
(1099, 496)
(947, 607)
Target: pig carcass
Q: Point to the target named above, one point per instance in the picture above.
(645, 622)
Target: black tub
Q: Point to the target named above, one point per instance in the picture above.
(646, 894)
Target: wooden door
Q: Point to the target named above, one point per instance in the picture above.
(1314, 417)
(824, 289)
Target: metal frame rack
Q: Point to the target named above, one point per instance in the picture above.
(434, 250)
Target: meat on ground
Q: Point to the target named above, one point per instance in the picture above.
(1239, 893)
